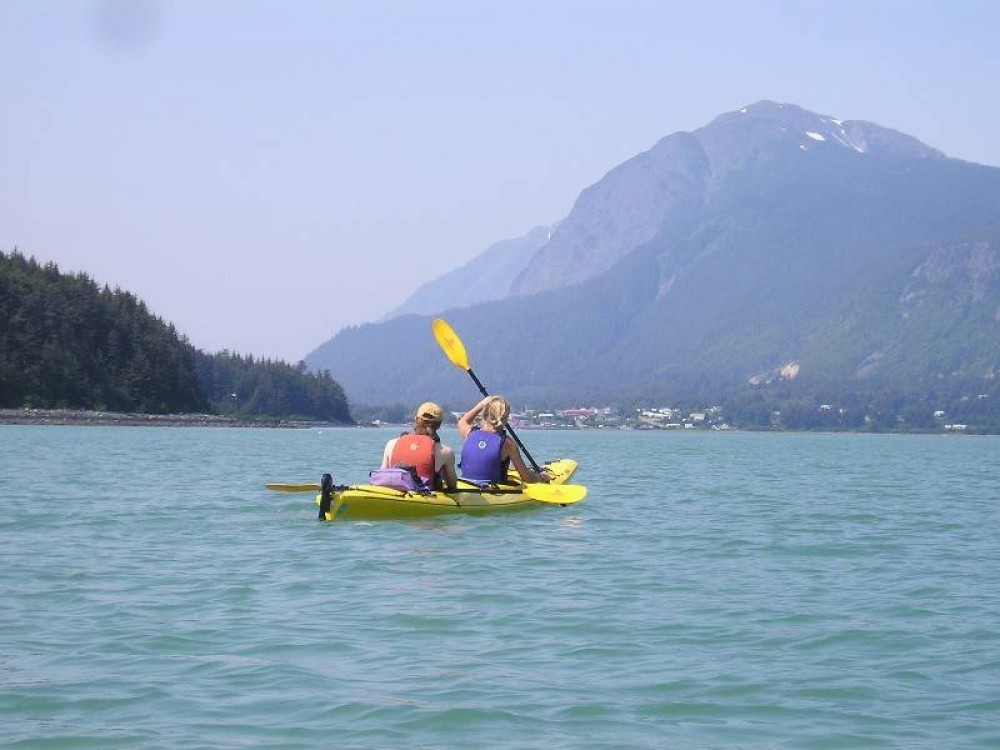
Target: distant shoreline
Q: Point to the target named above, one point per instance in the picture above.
(131, 419)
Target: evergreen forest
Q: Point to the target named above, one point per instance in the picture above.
(66, 342)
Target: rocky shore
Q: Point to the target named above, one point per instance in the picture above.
(80, 417)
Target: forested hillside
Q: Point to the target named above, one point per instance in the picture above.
(249, 387)
(66, 342)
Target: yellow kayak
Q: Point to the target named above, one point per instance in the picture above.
(371, 502)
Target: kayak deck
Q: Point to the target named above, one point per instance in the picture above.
(371, 502)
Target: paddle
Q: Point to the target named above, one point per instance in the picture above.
(560, 494)
(454, 349)
(545, 493)
(292, 487)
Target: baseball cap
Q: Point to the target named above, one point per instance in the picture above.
(430, 412)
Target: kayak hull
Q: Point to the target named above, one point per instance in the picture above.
(366, 502)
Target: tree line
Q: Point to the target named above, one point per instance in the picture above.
(66, 342)
(247, 387)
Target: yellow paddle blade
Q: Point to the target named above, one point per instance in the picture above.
(449, 341)
(561, 494)
(291, 487)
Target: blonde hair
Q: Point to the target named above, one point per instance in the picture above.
(496, 411)
(423, 426)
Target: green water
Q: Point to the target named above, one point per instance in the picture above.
(713, 591)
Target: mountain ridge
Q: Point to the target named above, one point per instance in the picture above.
(790, 237)
(679, 173)
(486, 277)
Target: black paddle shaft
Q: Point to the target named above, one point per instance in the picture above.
(482, 389)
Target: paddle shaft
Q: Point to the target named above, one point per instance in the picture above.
(469, 488)
(482, 389)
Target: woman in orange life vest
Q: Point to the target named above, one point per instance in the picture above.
(487, 451)
(422, 449)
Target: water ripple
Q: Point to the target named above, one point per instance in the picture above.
(771, 591)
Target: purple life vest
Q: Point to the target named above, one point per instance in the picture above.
(481, 460)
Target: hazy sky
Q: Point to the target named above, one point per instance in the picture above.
(265, 173)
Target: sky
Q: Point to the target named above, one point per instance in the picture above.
(263, 174)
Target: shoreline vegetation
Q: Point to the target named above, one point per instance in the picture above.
(135, 419)
(85, 418)
(67, 343)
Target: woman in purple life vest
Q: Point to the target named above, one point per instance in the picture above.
(487, 451)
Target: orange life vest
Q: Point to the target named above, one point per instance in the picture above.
(416, 451)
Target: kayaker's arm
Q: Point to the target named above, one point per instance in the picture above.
(466, 421)
(511, 452)
(447, 470)
(387, 453)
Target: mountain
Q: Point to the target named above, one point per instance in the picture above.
(773, 245)
(486, 277)
(681, 175)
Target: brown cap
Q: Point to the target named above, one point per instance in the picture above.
(430, 412)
